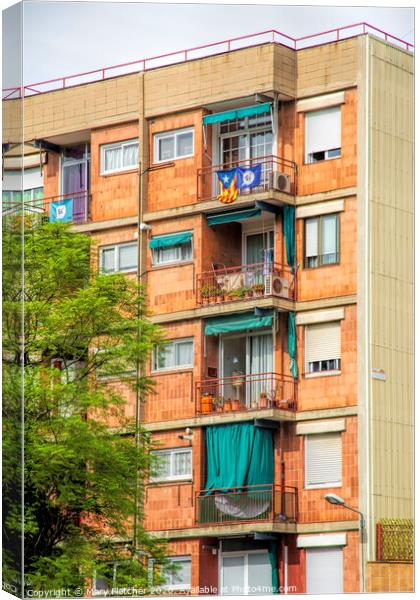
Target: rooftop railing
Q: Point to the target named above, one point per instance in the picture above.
(245, 282)
(276, 174)
(241, 392)
(213, 49)
(268, 502)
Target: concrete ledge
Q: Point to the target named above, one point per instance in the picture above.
(324, 196)
(100, 225)
(271, 414)
(226, 530)
(329, 526)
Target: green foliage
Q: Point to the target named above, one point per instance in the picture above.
(80, 476)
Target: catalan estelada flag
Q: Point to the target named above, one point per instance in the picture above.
(228, 187)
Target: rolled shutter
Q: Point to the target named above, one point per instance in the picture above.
(323, 464)
(324, 571)
(322, 342)
(323, 130)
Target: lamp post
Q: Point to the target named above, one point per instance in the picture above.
(338, 501)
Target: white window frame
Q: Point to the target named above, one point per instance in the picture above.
(172, 452)
(116, 248)
(319, 257)
(327, 373)
(241, 553)
(176, 261)
(174, 133)
(329, 153)
(105, 147)
(155, 357)
(319, 486)
(178, 586)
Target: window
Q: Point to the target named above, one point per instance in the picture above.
(323, 134)
(119, 156)
(322, 241)
(180, 578)
(118, 258)
(323, 347)
(176, 354)
(173, 144)
(246, 573)
(173, 464)
(172, 254)
(323, 460)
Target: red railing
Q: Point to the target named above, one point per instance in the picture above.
(208, 185)
(267, 502)
(246, 392)
(271, 36)
(80, 212)
(245, 282)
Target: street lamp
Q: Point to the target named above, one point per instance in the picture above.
(338, 501)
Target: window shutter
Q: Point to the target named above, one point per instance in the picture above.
(323, 130)
(324, 571)
(323, 459)
(311, 237)
(128, 257)
(322, 342)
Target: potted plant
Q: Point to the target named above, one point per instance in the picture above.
(208, 293)
(206, 403)
(263, 399)
(239, 292)
(254, 404)
(248, 292)
(258, 289)
(236, 405)
(218, 404)
(227, 405)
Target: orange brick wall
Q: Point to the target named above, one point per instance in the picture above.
(330, 280)
(331, 390)
(177, 184)
(336, 173)
(389, 577)
(113, 196)
(313, 508)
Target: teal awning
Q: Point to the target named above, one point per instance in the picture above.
(237, 322)
(163, 241)
(236, 215)
(239, 113)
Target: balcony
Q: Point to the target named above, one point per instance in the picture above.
(246, 393)
(229, 284)
(64, 208)
(258, 503)
(277, 174)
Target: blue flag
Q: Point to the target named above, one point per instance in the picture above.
(248, 177)
(61, 211)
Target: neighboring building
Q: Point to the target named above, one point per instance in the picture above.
(289, 311)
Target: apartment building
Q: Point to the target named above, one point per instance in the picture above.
(264, 195)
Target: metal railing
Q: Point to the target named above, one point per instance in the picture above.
(41, 207)
(268, 502)
(245, 282)
(271, 36)
(208, 185)
(395, 540)
(246, 392)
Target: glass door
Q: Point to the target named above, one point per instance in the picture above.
(234, 365)
(259, 251)
(260, 387)
(75, 179)
(246, 574)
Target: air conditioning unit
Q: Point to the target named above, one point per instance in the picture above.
(281, 181)
(277, 286)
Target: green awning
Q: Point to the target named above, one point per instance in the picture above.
(163, 241)
(237, 322)
(230, 217)
(239, 113)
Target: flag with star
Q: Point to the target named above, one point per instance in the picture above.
(228, 188)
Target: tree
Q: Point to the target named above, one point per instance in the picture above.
(67, 332)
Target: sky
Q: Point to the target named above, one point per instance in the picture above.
(62, 38)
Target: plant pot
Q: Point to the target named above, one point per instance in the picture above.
(206, 403)
(236, 405)
(263, 402)
(212, 299)
(249, 294)
(227, 405)
(219, 408)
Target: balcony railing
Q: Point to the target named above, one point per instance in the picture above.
(276, 174)
(246, 392)
(228, 284)
(73, 208)
(269, 503)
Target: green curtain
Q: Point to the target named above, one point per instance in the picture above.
(291, 344)
(272, 555)
(239, 113)
(239, 455)
(289, 234)
(164, 241)
(237, 322)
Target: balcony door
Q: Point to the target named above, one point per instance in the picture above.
(75, 179)
(246, 360)
(245, 574)
(258, 249)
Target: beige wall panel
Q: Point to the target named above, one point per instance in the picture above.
(326, 68)
(12, 120)
(391, 276)
(217, 78)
